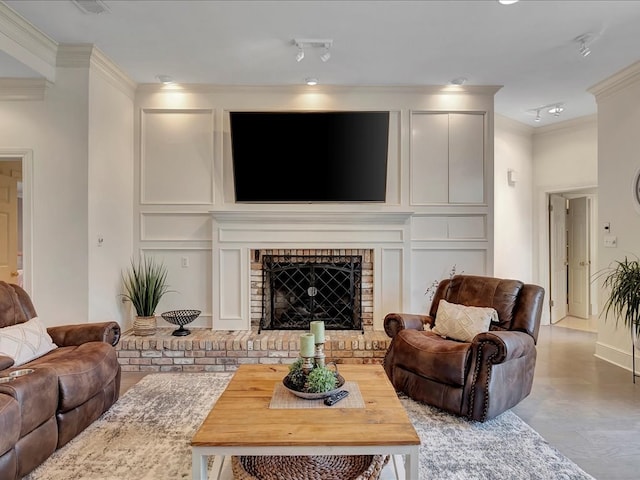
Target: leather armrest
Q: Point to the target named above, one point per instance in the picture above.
(73, 335)
(509, 344)
(5, 361)
(395, 322)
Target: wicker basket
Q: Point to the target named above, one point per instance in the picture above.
(316, 467)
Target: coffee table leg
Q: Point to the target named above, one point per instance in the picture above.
(198, 465)
(412, 464)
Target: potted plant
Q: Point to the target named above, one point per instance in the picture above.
(622, 278)
(145, 282)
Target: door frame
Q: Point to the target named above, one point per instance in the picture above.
(26, 155)
(541, 239)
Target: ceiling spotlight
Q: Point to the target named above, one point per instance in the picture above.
(311, 81)
(556, 110)
(165, 79)
(300, 54)
(326, 55)
(507, 2)
(459, 81)
(538, 118)
(584, 50)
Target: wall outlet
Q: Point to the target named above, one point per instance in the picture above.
(184, 261)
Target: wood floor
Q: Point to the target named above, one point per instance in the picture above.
(587, 408)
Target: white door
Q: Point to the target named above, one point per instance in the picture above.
(579, 261)
(8, 229)
(558, 257)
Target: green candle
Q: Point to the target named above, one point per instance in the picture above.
(317, 328)
(307, 345)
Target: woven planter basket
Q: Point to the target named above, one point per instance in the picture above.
(144, 326)
(315, 467)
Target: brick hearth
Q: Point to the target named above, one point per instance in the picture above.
(219, 351)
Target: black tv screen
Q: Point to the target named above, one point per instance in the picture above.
(309, 156)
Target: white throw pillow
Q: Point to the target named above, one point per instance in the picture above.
(460, 322)
(26, 341)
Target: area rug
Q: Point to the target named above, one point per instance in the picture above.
(146, 434)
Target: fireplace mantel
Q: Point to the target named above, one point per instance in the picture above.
(384, 217)
(236, 232)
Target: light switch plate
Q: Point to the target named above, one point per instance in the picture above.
(610, 241)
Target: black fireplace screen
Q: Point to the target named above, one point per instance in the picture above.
(298, 289)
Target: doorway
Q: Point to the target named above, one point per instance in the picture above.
(572, 252)
(15, 245)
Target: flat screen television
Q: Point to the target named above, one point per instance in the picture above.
(309, 157)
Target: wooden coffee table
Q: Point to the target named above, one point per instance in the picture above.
(241, 422)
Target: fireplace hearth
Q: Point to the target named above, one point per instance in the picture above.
(298, 289)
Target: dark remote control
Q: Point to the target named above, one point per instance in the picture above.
(335, 398)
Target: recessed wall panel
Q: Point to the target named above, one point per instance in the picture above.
(392, 282)
(176, 157)
(429, 266)
(466, 158)
(176, 226)
(429, 158)
(189, 286)
(231, 284)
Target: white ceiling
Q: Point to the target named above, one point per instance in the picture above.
(528, 47)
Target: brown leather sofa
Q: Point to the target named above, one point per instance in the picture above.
(478, 379)
(69, 387)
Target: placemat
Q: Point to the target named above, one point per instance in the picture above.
(283, 398)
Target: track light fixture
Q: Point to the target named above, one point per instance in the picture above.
(583, 41)
(326, 55)
(554, 109)
(308, 43)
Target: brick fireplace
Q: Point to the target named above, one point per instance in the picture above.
(291, 287)
(242, 236)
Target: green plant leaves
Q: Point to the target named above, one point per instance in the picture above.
(622, 279)
(145, 283)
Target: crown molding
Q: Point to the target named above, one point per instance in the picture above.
(114, 74)
(74, 55)
(333, 89)
(85, 55)
(616, 82)
(23, 88)
(26, 43)
(572, 124)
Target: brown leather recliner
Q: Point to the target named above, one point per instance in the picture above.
(69, 387)
(478, 379)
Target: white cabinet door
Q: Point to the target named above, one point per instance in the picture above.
(447, 158)
(466, 158)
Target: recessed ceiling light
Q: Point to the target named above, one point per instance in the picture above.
(311, 81)
(459, 81)
(92, 7)
(165, 79)
(507, 2)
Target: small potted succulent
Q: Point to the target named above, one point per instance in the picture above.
(320, 382)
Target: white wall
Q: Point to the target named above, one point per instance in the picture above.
(565, 158)
(55, 130)
(618, 99)
(513, 226)
(170, 222)
(110, 196)
(80, 157)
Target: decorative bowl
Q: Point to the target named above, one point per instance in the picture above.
(181, 317)
(313, 395)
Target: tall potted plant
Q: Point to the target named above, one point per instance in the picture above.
(622, 279)
(145, 282)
